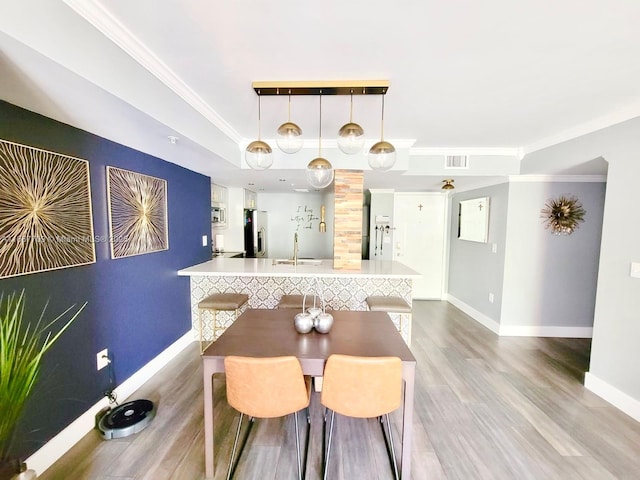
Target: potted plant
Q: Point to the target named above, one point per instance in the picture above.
(22, 347)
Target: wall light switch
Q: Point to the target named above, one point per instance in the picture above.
(491, 298)
(204, 240)
(635, 269)
(494, 248)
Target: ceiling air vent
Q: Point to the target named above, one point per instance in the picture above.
(456, 161)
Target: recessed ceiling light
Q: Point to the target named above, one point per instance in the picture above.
(172, 139)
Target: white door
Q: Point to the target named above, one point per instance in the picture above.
(419, 239)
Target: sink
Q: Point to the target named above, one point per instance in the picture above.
(301, 261)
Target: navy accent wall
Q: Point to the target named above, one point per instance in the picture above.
(137, 306)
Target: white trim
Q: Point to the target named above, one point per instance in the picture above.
(543, 331)
(627, 113)
(481, 318)
(55, 448)
(614, 396)
(559, 178)
(98, 16)
(469, 151)
(519, 330)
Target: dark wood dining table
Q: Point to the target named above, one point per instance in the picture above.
(271, 333)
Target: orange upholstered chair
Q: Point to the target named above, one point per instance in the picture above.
(267, 388)
(361, 387)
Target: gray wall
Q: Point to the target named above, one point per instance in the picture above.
(615, 356)
(282, 209)
(474, 271)
(551, 280)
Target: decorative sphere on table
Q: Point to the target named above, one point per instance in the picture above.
(303, 322)
(323, 322)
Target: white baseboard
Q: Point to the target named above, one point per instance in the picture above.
(55, 448)
(481, 318)
(611, 394)
(520, 330)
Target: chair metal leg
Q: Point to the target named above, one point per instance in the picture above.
(232, 465)
(389, 444)
(295, 420)
(325, 462)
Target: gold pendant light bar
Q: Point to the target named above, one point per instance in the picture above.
(333, 87)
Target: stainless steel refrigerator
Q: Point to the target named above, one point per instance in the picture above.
(255, 233)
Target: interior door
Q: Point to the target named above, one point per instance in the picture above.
(419, 240)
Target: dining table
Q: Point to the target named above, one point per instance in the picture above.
(271, 333)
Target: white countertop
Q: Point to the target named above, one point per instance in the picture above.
(264, 267)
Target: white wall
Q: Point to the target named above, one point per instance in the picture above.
(286, 213)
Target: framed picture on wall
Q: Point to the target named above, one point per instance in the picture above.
(45, 211)
(473, 220)
(137, 213)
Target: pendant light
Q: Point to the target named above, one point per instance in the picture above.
(382, 155)
(320, 170)
(351, 135)
(258, 154)
(289, 135)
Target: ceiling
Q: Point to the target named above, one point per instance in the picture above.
(495, 79)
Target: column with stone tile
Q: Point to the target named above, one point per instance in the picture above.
(347, 228)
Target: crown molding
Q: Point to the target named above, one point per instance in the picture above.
(558, 178)
(471, 151)
(94, 13)
(594, 125)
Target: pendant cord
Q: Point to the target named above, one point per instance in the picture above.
(289, 106)
(382, 121)
(351, 109)
(320, 129)
(259, 103)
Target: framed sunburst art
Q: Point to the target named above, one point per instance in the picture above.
(137, 213)
(45, 211)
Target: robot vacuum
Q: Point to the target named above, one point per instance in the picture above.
(126, 419)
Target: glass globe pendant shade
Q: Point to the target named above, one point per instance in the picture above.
(259, 155)
(351, 138)
(319, 173)
(289, 137)
(382, 156)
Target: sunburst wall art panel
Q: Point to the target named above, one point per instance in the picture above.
(137, 213)
(45, 211)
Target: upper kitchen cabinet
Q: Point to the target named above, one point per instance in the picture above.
(250, 199)
(218, 193)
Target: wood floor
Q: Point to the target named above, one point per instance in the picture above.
(485, 408)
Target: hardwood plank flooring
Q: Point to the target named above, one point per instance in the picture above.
(486, 407)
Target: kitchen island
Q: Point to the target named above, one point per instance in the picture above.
(265, 280)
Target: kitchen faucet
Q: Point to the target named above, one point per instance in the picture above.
(295, 248)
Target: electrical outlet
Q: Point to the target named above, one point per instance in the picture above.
(102, 359)
(491, 298)
(204, 240)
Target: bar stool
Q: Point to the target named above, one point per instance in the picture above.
(389, 304)
(225, 302)
(295, 301)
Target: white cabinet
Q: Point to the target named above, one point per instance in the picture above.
(250, 199)
(218, 193)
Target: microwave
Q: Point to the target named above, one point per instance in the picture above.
(219, 215)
